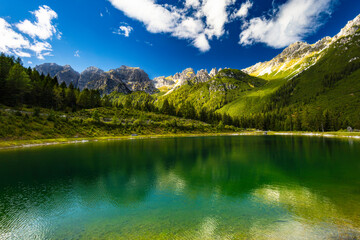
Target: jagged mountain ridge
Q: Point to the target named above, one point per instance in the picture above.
(63, 73)
(124, 79)
(299, 56)
(188, 76)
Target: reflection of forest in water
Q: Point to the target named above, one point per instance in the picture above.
(312, 177)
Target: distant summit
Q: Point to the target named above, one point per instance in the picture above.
(124, 79)
(300, 56)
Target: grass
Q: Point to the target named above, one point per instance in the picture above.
(22, 124)
(252, 101)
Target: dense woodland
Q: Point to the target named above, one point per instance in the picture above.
(25, 86)
(19, 85)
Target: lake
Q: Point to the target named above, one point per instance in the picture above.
(232, 187)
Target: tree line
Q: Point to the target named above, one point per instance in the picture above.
(20, 85)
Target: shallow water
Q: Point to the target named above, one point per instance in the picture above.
(238, 187)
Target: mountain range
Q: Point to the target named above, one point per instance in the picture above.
(124, 79)
(323, 75)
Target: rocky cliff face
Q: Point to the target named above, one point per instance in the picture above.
(89, 75)
(300, 56)
(202, 76)
(134, 78)
(107, 85)
(161, 82)
(63, 73)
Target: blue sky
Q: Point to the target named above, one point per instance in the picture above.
(164, 37)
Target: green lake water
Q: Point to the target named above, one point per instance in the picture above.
(234, 187)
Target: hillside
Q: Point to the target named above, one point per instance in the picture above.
(329, 83)
(213, 94)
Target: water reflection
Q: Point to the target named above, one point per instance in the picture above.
(205, 188)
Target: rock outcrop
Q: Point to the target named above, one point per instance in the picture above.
(89, 75)
(202, 76)
(160, 82)
(187, 76)
(213, 72)
(106, 84)
(135, 79)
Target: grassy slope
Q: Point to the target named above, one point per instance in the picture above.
(228, 85)
(15, 125)
(344, 97)
(252, 101)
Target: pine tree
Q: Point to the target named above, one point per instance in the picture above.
(17, 84)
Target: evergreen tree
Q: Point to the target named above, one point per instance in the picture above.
(17, 84)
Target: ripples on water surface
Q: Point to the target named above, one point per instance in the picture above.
(260, 187)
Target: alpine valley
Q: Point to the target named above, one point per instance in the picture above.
(307, 87)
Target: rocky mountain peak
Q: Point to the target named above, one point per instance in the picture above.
(299, 56)
(124, 79)
(92, 69)
(63, 73)
(123, 67)
(213, 72)
(202, 76)
(49, 68)
(350, 28)
(185, 76)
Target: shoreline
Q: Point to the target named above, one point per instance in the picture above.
(20, 144)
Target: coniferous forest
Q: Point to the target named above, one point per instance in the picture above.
(22, 87)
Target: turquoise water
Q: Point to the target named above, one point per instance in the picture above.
(238, 187)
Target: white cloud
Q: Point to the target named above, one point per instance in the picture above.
(192, 3)
(29, 62)
(15, 43)
(101, 15)
(243, 12)
(291, 22)
(77, 53)
(199, 21)
(216, 16)
(202, 43)
(43, 27)
(41, 49)
(11, 41)
(156, 17)
(124, 31)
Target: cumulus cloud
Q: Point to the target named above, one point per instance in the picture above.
(290, 22)
(216, 16)
(41, 49)
(243, 12)
(11, 41)
(202, 43)
(198, 21)
(42, 27)
(192, 3)
(124, 31)
(15, 43)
